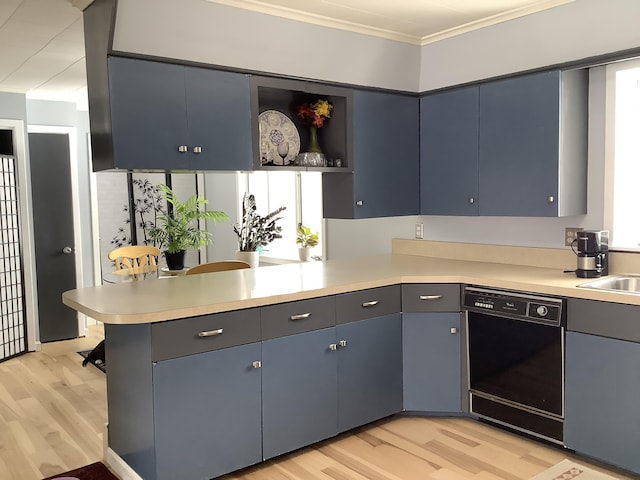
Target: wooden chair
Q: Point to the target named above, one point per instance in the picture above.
(218, 267)
(135, 258)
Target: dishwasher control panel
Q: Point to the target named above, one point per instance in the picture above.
(520, 306)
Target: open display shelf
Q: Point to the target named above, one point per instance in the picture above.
(284, 96)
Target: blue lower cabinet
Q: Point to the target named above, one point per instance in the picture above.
(432, 362)
(207, 412)
(602, 398)
(369, 370)
(299, 394)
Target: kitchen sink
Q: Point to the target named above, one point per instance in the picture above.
(616, 283)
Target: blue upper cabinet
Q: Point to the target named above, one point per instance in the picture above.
(174, 117)
(533, 145)
(449, 152)
(385, 180)
(511, 147)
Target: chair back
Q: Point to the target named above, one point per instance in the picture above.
(135, 258)
(218, 267)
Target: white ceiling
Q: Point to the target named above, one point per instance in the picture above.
(42, 43)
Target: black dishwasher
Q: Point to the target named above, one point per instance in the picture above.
(516, 360)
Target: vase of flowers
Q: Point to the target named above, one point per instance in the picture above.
(255, 231)
(314, 115)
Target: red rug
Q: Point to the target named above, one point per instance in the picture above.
(95, 471)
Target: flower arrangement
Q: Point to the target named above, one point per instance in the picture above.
(314, 114)
(256, 231)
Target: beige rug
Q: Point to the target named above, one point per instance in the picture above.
(569, 470)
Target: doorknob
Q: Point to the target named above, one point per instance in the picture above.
(67, 250)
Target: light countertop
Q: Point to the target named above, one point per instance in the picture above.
(187, 296)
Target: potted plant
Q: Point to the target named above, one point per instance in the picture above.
(178, 229)
(306, 239)
(255, 231)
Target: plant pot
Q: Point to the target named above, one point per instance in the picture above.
(252, 258)
(175, 261)
(304, 253)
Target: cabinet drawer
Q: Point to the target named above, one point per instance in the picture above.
(187, 336)
(374, 302)
(614, 320)
(297, 317)
(431, 297)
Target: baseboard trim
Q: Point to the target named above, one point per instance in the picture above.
(120, 467)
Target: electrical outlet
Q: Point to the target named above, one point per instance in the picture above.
(570, 235)
(419, 230)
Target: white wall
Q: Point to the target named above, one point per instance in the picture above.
(206, 32)
(574, 31)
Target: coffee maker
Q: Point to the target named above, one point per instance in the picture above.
(592, 249)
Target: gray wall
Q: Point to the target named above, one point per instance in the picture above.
(13, 106)
(576, 30)
(217, 34)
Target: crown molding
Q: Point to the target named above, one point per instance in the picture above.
(301, 16)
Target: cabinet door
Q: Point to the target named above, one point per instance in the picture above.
(386, 155)
(369, 370)
(519, 145)
(432, 378)
(219, 119)
(207, 413)
(299, 378)
(602, 393)
(148, 114)
(449, 152)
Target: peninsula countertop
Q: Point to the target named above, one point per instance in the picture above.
(188, 296)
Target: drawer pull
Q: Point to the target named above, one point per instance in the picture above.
(333, 346)
(430, 297)
(257, 364)
(342, 343)
(301, 316)
(372, 303)
(453, 330)
(210, 333)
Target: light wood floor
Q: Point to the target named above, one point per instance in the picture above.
(53, 411)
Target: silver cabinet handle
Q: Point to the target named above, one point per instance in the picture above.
(210, 333)
(183, 148)
(67, 250)
(342, 343)
(453, 330)
(472, 200)
(359, 203)
(257, 364)
(197, 149)
(430, 297)
(551, 199)
(333, 346)
(372, 303)
(300, 316)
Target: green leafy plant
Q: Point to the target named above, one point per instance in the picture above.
(178, 229)
(305, 238)
(256, 231)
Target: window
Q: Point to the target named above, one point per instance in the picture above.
(623, 141)
(300, 192)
